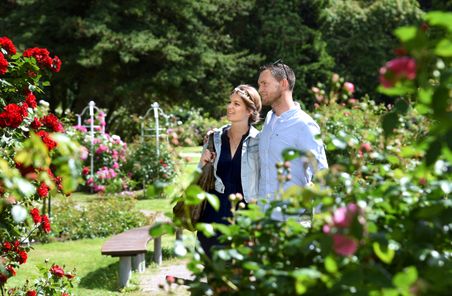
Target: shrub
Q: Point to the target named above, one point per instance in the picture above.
(109, 157)
(146, 167)
(36, 158)
(191, 127)
(97, 219)
(382, 225)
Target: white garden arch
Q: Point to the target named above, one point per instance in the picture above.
(92, 128)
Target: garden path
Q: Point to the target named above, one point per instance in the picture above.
(149, 283)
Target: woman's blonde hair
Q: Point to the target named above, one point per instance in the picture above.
(252, 100)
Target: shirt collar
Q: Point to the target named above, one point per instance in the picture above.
(289, 113)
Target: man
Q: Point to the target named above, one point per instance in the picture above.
(285, 126)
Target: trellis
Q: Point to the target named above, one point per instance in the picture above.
(153, 131)
(91, 128)
(150, 129)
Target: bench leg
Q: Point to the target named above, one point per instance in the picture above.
(179, 234)
(158, 250)
(139, 262)
(125, 270)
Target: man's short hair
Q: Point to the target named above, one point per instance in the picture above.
(281, 71)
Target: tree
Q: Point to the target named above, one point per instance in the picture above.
(132, 53)
(360, 38)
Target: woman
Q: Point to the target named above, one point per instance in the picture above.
(236, 158)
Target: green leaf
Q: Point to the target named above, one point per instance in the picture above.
(444, 48)
(389, 123)
(385, 255)
(439, 18)
(251, 266)
(401, 106)
(291, 154)
(330, 264)
(160, 229)
(393, 159)
(398, 90)
(213, 200)
(206, 229)
(404, 279)
(406, 33)
(433, 152)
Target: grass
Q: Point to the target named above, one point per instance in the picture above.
(97, 275)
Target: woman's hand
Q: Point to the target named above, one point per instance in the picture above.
(207, 156)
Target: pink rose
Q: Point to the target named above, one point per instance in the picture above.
(349, 87)
(344, 245)
(396, 70)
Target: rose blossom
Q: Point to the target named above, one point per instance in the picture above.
(7, 45)
(51, 144)
(35, 215)
(3, 64)
(349, 87)
(57, 271)
(344, 245)
(30, 99)
(23, 256)
(396, 70)
(45, 224)
(43, 190)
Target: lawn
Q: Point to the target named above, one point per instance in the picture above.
(96, 274)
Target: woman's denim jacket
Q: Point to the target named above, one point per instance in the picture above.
(249, 166)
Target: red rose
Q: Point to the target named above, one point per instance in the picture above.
(7, 45)
(43, 190)
(12, 116)
(7, 246)
(22, 257)
(57, 271)
(31, 293)
(85, 171)
(56, 64)
(41, 56)
(11, 270)
(16, 244)
(47, 140)
(35, 215)
(52, 122)
(3, 64)
(35, 124)
(30, 99)
(45, 223)
(24, 109)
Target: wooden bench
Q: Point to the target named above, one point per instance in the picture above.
(131, 246)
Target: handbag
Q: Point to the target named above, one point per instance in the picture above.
(206, 181)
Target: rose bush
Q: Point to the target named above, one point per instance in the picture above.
(36, 159)
(383, 220)
(109, 158)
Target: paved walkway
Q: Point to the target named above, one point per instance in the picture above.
(149, 283)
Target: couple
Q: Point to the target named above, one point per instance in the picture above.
(245, 159)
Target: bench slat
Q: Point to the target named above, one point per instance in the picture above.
(128, 243)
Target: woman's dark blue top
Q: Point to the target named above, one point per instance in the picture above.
(229, 171)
